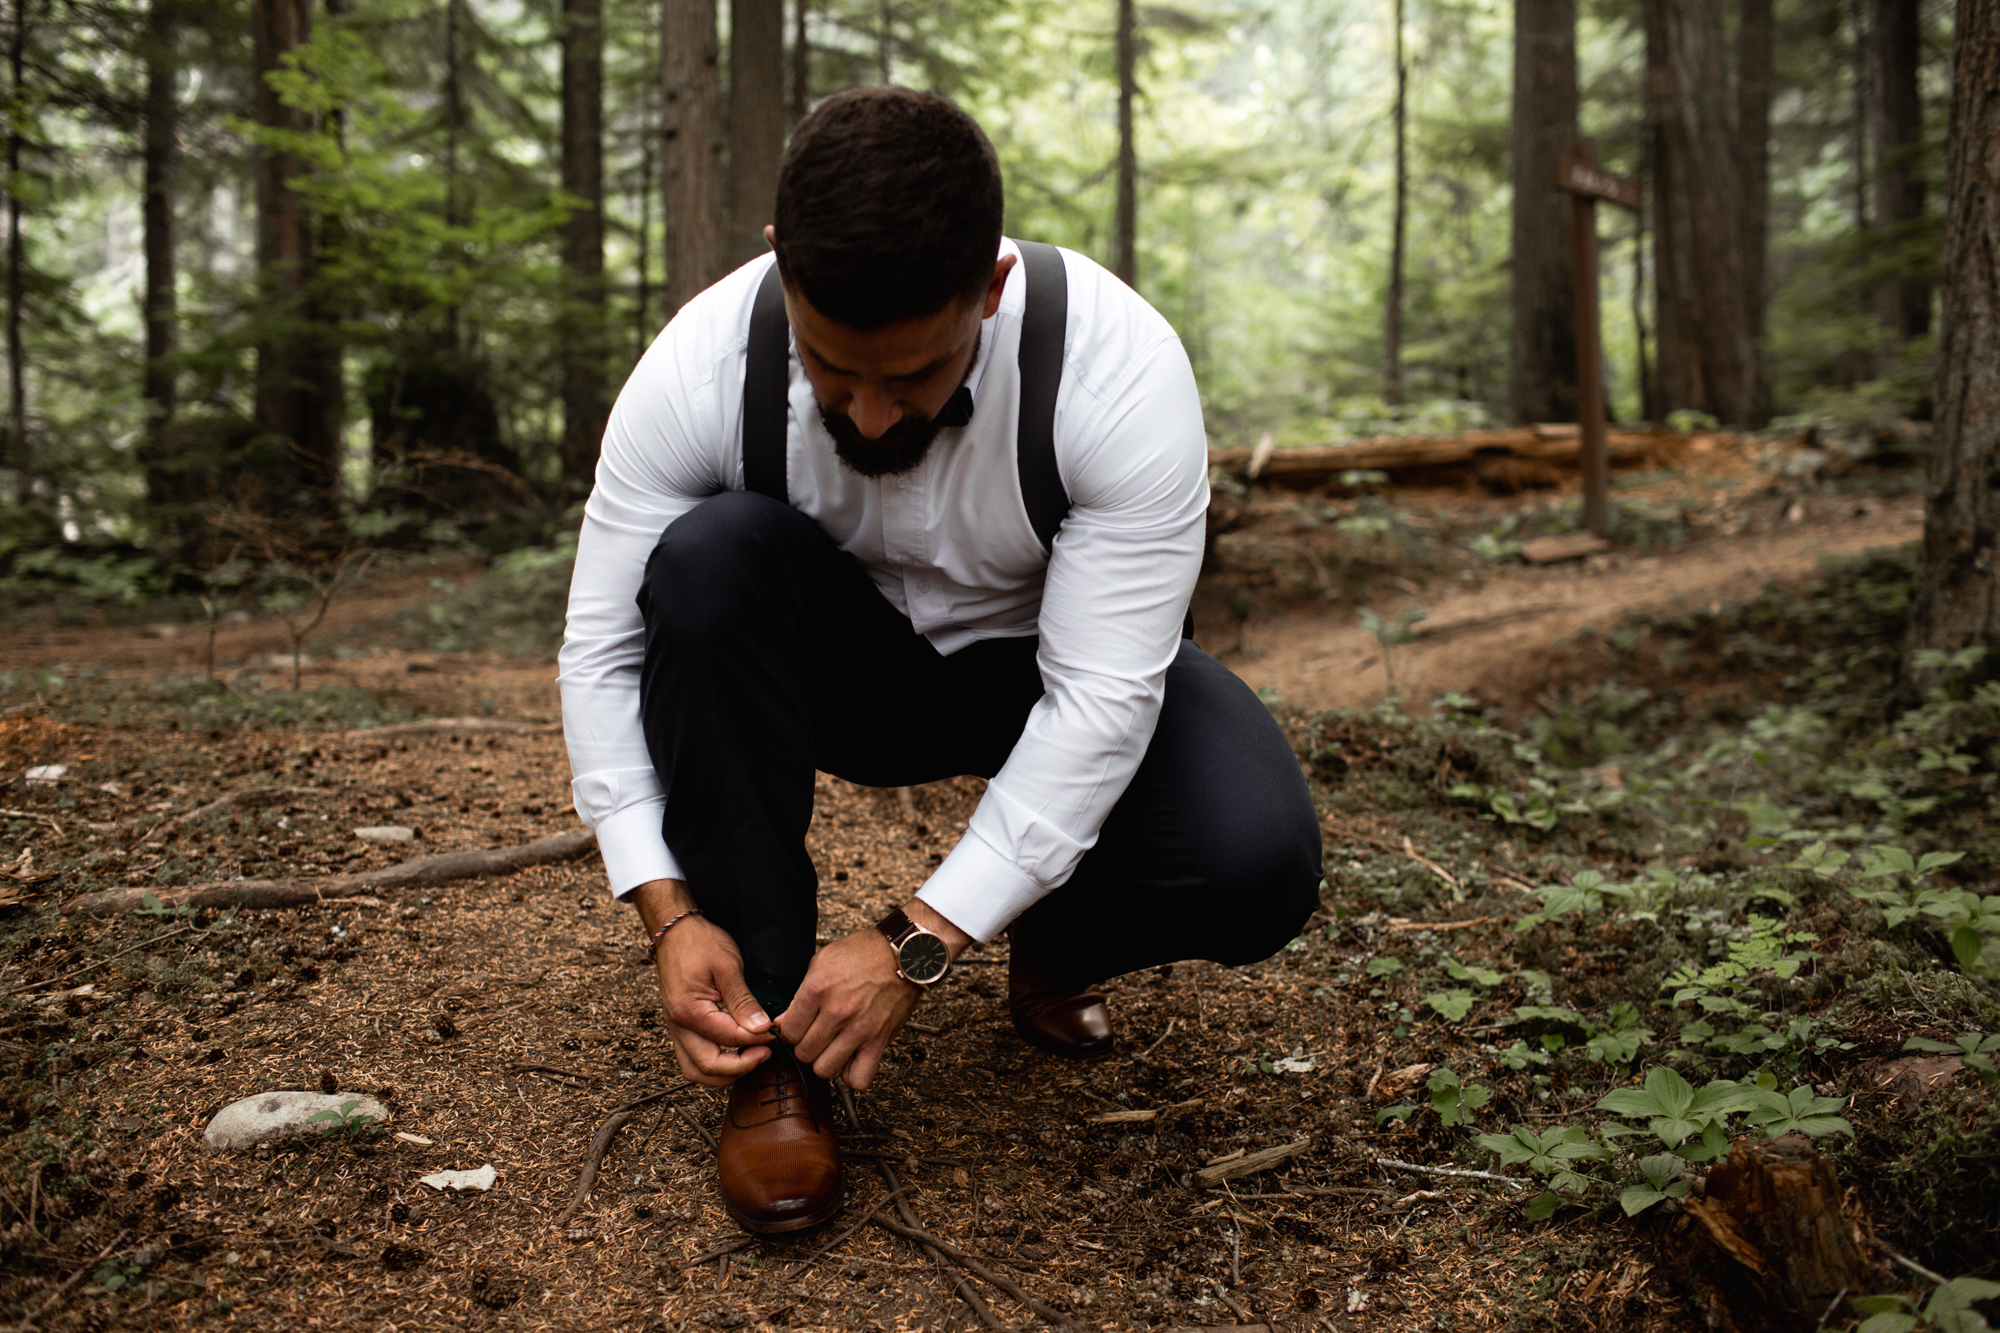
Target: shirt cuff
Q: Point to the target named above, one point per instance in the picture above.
(635, 852)
(979, 890)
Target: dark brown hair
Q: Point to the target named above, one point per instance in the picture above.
(889, 206)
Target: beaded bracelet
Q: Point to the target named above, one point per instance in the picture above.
(653, 954)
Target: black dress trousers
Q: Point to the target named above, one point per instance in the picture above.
(770, 654)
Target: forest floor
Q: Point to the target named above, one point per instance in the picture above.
(502, 1020)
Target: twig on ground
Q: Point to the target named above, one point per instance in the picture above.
(250, 797)
(965, 1290)
(1156, 1044)
(549, 1069)
(1450, 1171)
(908, 800)
(81, 972)
(710, 1256)
(700, 1129)
(49, 1302)
(1913, 1265)
(1410, 850)
(431, 725)
(1239, 1311)
(860, 1221)
(256, 894)
(910, 1230)
(1250, 1164)
(600, 1144)
(1404, 923)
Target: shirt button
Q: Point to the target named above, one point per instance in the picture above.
(923, 585)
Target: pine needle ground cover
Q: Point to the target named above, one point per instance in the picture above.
(1731, 880)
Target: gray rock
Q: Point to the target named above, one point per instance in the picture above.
(286, 1115)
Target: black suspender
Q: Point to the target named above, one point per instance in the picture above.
(767, 381)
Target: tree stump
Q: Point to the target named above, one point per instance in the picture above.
(1770, 1243)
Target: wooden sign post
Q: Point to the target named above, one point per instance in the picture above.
(1579, 176)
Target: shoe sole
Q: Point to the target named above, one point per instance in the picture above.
(1081, 1056)
(782, 1228)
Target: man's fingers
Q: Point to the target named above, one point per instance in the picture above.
(703, 1061)
(705, 1014)
(743, 1006)
(861, 1069)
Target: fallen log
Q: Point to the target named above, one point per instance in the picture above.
(489, 726)
(1388, 453)
(1769, 1242)
(260, 894)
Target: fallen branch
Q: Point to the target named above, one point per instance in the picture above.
(250, 798)
(492, 726)
(909, 1230)
(1397, 923)
(1449, 1171)
(304, 890)
(600, 1143)
(1249, 1165)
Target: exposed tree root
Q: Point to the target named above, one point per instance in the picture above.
(944, 1249)
(257, 894)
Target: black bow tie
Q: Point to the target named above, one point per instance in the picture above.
(958, 411)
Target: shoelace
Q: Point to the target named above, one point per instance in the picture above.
(787, 1084)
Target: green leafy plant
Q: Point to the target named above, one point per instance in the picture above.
(1455, 1100)
(1559, 1155)
(1800, 1111)
(1975, 1050)
(1397, 629)
(344, 1119)
(1661, 1180)
(1451, 1005)
(1949, 1310)
(1674, 1109)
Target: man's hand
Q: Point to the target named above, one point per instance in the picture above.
(853, 1001)
(708, 1008)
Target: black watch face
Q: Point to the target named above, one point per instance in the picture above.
(924, 958)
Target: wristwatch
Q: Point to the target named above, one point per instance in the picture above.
(921, 957)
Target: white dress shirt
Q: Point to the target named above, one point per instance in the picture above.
(949, 544)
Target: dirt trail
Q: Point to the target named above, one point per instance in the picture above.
(1489, 640)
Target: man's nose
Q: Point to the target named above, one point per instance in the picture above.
(873, 411)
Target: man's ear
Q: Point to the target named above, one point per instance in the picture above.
(770, 236)
(1001, 268)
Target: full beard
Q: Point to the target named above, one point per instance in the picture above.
(895, 451)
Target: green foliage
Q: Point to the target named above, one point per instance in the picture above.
(1674, 1109)
(517, 609)
(1455, 1100)
(1976, 1051)
(1661, 1180)
(1950, 1309)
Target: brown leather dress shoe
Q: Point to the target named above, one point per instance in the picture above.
(1073, 1021)
(779, 1158)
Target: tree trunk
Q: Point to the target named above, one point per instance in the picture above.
(1958, 594)
(1544, 287)
(691, 149)
(291, 370)
(1860, 102)
(756, 120)
(801, 62)
(1676, 371)
(157, 208)
(1699, 217)
(1125, 227)
(17, 385)
(583, 239)
(1392, 313)
(1753, 167)
(1904, 303)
